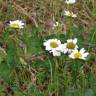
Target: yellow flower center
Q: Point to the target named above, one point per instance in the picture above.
(71, 45)
(77, 55)
(53, 44)
(15, 25)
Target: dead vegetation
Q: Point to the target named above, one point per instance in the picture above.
(39, 12)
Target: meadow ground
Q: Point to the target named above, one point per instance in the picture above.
(27, 68)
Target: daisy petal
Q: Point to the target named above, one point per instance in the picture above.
(75, 41)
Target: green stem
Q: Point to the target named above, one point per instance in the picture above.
(51, 74)
(57, 84)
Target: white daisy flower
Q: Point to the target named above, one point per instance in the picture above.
(69, 46)
(79, 54)
(70, 1)
(53, 46)
(70, 14)
(16, 24)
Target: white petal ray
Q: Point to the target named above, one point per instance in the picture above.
(75, 40)
(82, 50)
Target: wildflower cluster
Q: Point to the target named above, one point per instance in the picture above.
(69, 13)
(55, 47)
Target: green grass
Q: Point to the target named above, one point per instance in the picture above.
(26, 69)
